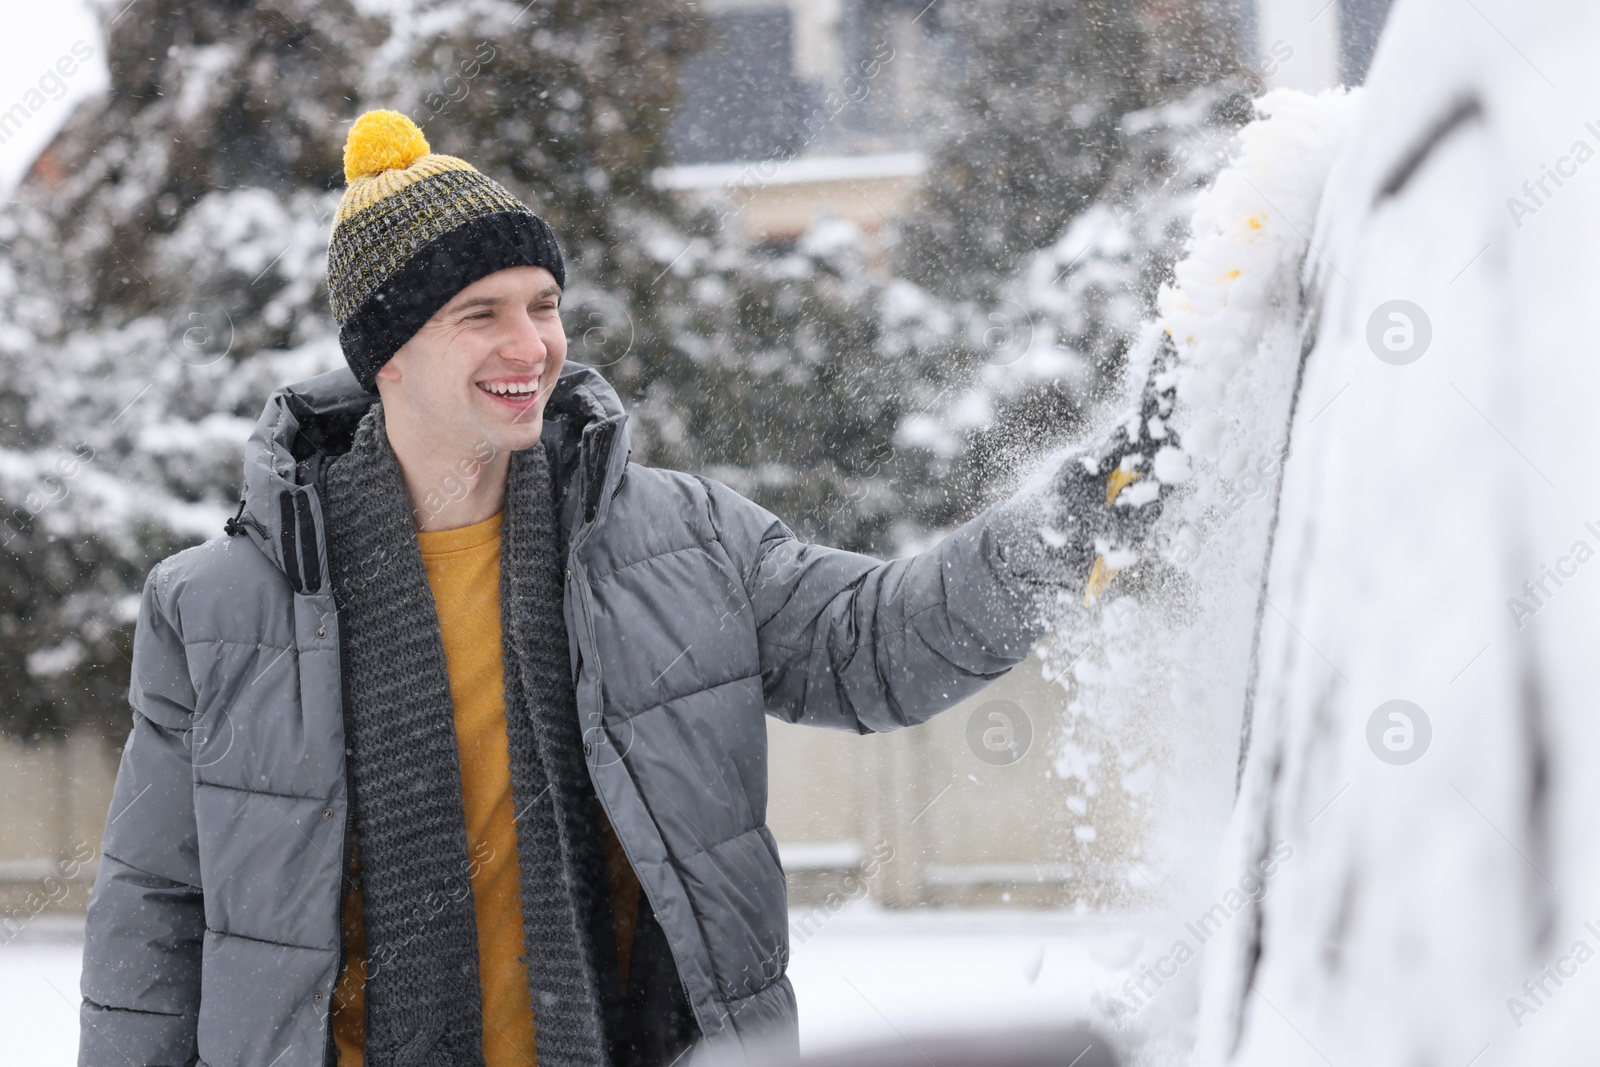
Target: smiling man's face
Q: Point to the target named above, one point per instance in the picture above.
(481, 369)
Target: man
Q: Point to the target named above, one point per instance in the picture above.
(451, 751)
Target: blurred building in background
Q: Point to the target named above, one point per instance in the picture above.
(804, 108)
(807, 107)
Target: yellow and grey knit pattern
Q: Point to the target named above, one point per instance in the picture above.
(385, 219)
(368, 189)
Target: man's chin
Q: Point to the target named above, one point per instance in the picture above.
(514, 437)
(510, 428)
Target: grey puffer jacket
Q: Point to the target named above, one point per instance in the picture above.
(214, 932)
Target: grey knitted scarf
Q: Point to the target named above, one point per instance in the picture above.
(423, 1001)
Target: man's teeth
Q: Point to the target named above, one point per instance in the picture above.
(518, 389)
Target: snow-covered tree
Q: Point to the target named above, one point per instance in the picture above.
(908, 396)
(162, 268)
(1055, 338)
(1036, 110)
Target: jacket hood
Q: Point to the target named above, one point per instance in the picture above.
(308, 423)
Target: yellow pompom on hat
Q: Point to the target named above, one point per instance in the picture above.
(412, 230)
(380, 141)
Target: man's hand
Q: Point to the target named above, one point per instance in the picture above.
(1103, 499)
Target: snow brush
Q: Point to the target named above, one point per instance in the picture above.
(1124, 457)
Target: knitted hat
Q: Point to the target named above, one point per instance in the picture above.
(412, 231)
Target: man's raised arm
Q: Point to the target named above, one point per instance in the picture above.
(856, 643)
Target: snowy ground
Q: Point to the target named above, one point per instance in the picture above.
(39, 995)
(872, 977)
(866, 977)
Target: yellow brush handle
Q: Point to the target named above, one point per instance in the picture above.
(1100, 577)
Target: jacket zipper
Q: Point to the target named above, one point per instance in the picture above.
(330, 1056)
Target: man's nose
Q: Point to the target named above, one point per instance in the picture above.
(525, 345)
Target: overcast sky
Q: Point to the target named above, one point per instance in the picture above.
(35, 36)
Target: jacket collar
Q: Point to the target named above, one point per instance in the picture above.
(307, 423)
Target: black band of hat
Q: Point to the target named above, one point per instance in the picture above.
(434, 274)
